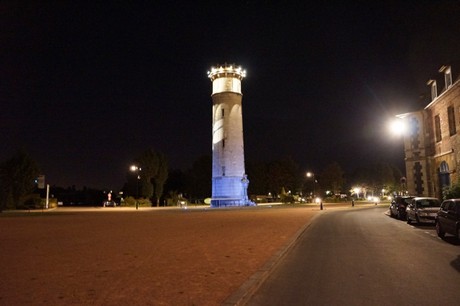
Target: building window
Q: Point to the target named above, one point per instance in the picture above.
(444, 175)
(437, 128)
(447, 75)
(448, 78)
(223, 170)
(444, 167)
(223, 143)
(418, 178)
(451, 116)
(434, 89)
(223, 113)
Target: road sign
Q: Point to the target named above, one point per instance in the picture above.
(41, 181)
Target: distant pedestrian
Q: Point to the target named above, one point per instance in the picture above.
(352, 202)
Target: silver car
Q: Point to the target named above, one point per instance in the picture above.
(422, 210)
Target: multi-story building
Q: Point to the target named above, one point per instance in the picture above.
(432, 141)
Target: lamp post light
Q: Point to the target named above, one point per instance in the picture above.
(357, 190)
(136, 169)
(398, 127)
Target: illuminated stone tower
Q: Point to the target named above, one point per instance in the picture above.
(229, 181)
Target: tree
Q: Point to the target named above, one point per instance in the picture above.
(283, 173)
(17, 177)
(176, 182)
(451, 192)
(153, 174)
(332, 178)
(158, 181)
(257, 172)
(148, 163)
(377, 176)
(199, 178)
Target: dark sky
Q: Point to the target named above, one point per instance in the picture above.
(85, 88)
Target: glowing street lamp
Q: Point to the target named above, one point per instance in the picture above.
(398, 126)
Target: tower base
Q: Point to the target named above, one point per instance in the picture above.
(230, 191)
(230, 202)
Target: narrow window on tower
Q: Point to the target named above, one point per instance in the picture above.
(223, 113)
(223, 143)
(223, 170)
(437, 128)
(451, 117)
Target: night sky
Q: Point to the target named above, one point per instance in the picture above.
(85, 88)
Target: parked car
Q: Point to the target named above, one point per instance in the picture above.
(109, 203)
(398, 206)
(448, 218)
(422, 210)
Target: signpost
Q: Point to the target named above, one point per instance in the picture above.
(41, 185)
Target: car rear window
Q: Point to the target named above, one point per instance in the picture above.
(428, 203)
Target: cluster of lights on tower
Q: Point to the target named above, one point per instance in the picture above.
(238, 72)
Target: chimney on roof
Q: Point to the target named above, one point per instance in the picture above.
(447, 75)
(434, 90)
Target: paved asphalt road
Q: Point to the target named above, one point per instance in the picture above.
(364, 257)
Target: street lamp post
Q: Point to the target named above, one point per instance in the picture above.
(312, 176)
(136, 169)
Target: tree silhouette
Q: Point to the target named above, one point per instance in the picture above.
(153, 174)
(332, 178)
(17, 177)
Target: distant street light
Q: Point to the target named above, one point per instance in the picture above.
(136, 169)
(357, 190)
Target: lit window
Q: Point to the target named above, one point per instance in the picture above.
(447, 75)
(434, 90)
(448, 78)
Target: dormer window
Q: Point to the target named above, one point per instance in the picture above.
(434, 89)
(447, 75)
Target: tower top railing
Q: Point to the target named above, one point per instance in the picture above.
(226, 71)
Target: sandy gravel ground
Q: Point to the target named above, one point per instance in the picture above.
(114, 256)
